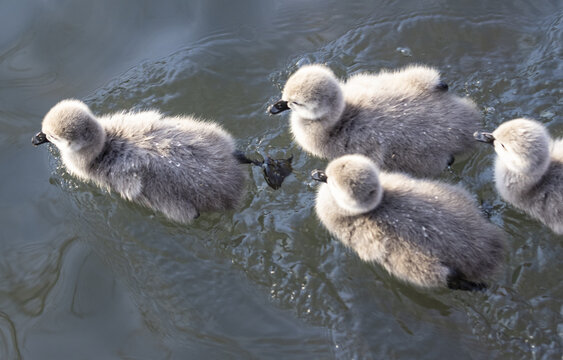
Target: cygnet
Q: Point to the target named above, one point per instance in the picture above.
(424, 232)
(179, 166)
(529, 169)
(404, 120)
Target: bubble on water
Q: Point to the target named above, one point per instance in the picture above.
(548, 114)
(404, 51)
(424, 233)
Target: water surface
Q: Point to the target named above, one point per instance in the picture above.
(84, 274)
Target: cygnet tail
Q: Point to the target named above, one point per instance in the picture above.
(457, 281)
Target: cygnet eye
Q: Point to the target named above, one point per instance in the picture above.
(294, 103)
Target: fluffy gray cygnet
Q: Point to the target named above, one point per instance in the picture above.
(529, 169)
(179, 166)
(405, 120)
(424, 232)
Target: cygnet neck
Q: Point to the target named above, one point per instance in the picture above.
(317, 135)
(524, 179)
(350, 206)
(83, 158)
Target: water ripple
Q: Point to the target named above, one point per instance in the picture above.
(8, 341)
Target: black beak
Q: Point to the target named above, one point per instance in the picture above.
(319, 175)
(279, 107)
(442, 86)
(39, 138)
(484, 137)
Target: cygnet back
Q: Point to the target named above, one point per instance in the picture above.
(404, 120)
(529, 169)
(424, 232)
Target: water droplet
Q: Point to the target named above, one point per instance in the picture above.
(404, 51)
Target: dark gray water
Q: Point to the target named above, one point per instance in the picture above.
(86, 275)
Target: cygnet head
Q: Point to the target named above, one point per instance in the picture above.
(72, 127)
(353, 181)
(314, 93)
(522, 145)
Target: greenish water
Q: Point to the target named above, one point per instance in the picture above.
(86, 275)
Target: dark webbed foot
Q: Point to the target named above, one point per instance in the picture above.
(442, 86)
(275, 170)
(457, 281)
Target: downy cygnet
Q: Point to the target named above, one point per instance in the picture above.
(404, 120)
(529, 169)
(179, 166)
(425, 232)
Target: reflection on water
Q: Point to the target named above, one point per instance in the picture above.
(84, 272)
(9, 349)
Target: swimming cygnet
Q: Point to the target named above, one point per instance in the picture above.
(424, 232)
(179, 166)
(529, 169)
(404, 120)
